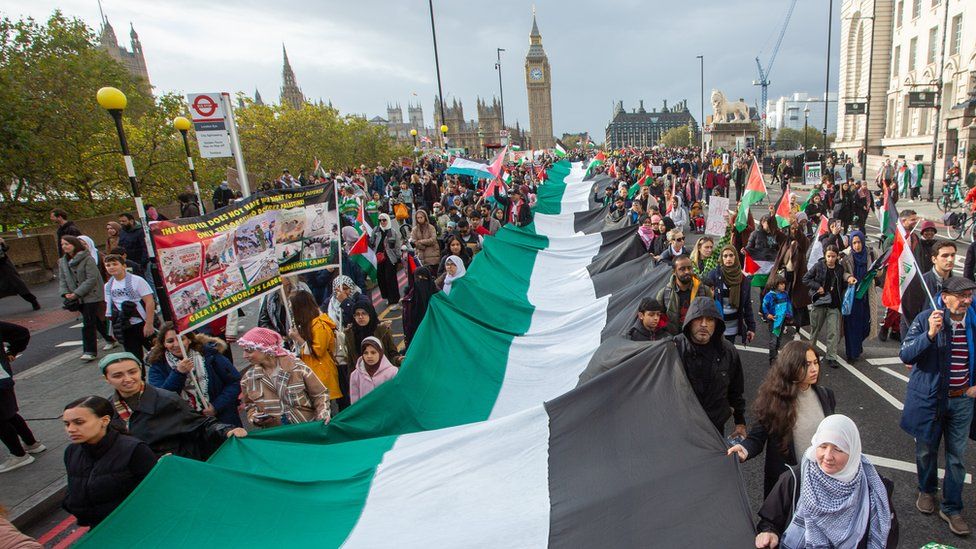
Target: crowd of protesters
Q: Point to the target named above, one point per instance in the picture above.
(320, 346)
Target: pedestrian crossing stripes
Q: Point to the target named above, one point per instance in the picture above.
(893, 373)
(883, 361)
(70, 344)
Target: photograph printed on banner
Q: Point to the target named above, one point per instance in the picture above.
(224, 284)
(219, 254)
(287, 252)
(290, 226)
(254, 237)
(180, 264)
(259, 268)
(317, 246)
(320, 221)
(190, 299)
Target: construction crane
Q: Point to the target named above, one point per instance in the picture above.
(763, 81)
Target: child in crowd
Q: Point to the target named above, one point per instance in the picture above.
(777, 308)
(130, 306)
(372, 370)
(652, 319)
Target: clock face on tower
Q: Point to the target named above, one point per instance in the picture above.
(535, 74)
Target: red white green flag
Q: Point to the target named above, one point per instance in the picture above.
(597, 161)
(755, 191)
(360, 253)
(783, 208)
(758, 270)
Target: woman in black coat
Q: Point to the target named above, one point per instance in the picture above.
(788, 407)
(103, 464)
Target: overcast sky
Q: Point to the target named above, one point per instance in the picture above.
(364, 53)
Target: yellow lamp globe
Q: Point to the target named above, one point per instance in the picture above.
(181, 123)
(444, 128)
(111, 99)
(413, 133)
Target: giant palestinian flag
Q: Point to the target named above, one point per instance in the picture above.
(505, 438)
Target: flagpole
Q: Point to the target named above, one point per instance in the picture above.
(335, 192)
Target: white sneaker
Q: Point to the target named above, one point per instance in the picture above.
(35, 448)
(14, 462)
(110, 345)
(88, 357)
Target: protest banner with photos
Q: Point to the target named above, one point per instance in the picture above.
(218, 262)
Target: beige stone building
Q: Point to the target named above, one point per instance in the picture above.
(911, 52)
(538, 83)
(133, 60)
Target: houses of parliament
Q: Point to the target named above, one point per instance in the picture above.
(484, 133)
(476, 135)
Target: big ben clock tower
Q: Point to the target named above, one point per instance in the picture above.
(539, 87)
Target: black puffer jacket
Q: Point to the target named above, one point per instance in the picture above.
(102, 475)
(714, 369)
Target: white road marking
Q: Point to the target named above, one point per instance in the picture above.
(902, 377)
(70, 344)
(883, 361)
(79, 325)
(865, 379)
(904, 466)
(752, 349)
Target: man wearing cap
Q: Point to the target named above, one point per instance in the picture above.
(516, 209)
(939, 399)
(158, 417)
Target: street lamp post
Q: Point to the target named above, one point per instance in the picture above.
(182, 124)
(806, 123)
(830, 17)
(501, 93)
(701, 123)
(444, 135)
(114, 101)
(413, 134)
(437, 67)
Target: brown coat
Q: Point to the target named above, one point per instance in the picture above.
(424, 238)
(797, 247)
(291, 389)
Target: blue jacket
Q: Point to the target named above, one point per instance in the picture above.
(927, 395)
(223, 388)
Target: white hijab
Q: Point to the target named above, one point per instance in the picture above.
(449, 279)
(841, 431)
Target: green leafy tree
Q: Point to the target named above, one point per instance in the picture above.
(788, 138)
(59, 148)
(676, 137)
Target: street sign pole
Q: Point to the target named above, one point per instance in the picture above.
(235, 144)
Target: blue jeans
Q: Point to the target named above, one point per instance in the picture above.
(955, 431)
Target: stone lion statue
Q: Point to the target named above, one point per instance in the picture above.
(725, 111)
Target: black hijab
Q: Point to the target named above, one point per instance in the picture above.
(359, 333)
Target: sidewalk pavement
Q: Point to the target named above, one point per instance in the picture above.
(33, 491)
(16, 310)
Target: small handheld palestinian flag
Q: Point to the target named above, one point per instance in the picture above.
(865, 284)
(596, 162)
(560, 149)
(360, 253)
(816, 250)
(755, 191)
(783, 209)
(758, 270)
(887, 217)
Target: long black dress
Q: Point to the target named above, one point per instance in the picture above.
(386, 272)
